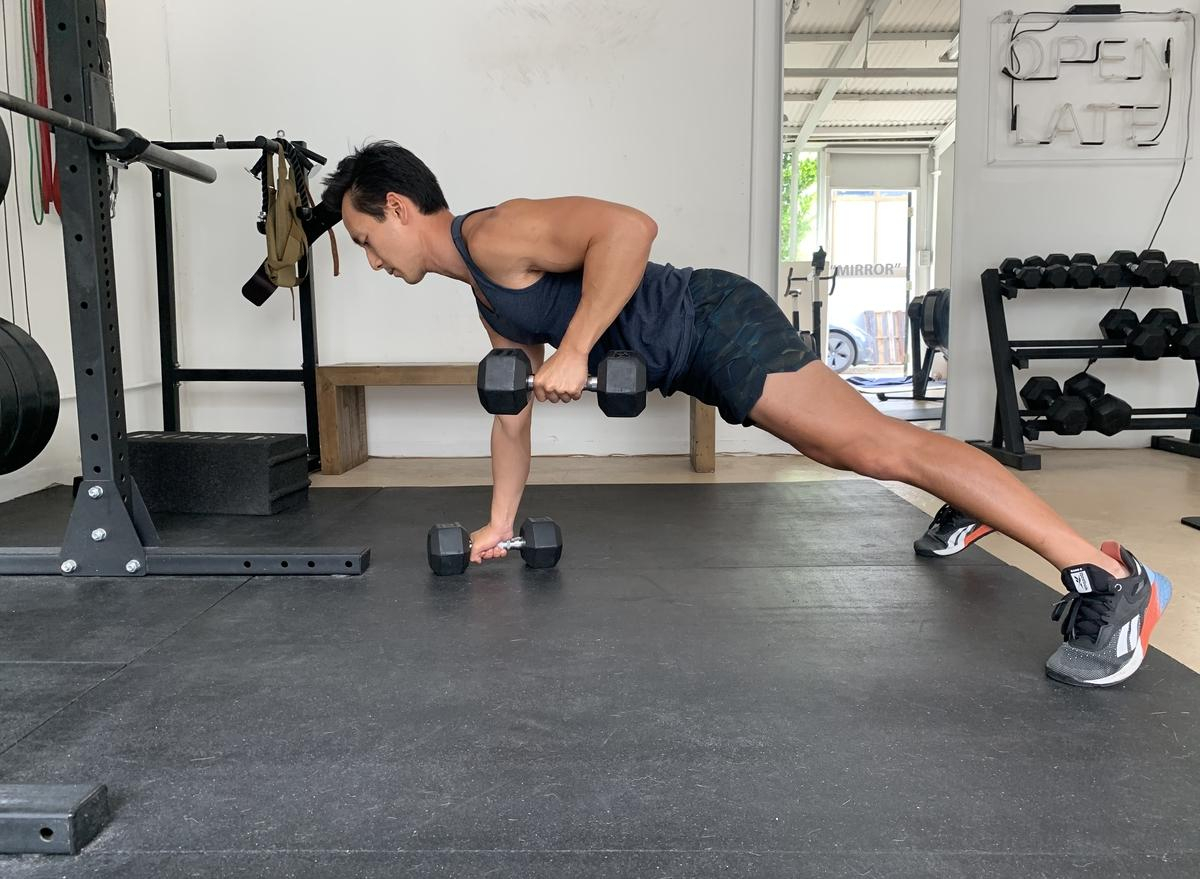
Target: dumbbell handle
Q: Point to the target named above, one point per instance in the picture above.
(593, 383)
(511, 543)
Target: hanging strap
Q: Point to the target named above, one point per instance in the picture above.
(286, 241)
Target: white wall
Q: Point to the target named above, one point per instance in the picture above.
(650, 104)
(943, 224)
(1019, 210)
(137, 35)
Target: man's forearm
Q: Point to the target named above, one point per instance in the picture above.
(510, 468)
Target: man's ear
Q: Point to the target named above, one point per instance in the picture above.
(398, 206)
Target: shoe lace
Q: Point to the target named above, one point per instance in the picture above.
(1085, 614)
(943, 517)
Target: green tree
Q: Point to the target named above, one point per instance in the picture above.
(806, 200)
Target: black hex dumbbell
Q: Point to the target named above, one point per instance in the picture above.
(1109, 274)
(1108, 414)
(1031, 272)
(1183, 339)
(449, 546)
(1183, 272)
(1065, 415)
(1057, 271)
(1009, 266)
(1082, 271)
(506, 377)
(1146, 342)
(1149, 269)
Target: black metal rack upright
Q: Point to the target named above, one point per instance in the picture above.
(110, 532)
(172, 373)
(1013, 425)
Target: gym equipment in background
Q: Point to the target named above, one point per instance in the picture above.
(1160, 333)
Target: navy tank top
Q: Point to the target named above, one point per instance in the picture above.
(657, 321)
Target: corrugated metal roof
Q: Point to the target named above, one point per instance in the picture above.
(843, 113)
(841, 16)
(834, 16)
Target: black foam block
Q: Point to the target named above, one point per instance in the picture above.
(256, 474)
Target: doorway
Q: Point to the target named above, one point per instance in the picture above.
(871, 236)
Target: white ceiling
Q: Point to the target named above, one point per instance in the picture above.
(863, 108)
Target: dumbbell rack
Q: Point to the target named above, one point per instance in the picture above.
(1013, 425)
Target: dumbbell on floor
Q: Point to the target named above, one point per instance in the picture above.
(449, 546)
(1065, 415)
(1146, 342)
(1183, 339)
(506, 378)
(1107, 414)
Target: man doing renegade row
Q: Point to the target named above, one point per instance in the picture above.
(575, 273)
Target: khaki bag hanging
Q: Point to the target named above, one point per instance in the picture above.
(286, 241)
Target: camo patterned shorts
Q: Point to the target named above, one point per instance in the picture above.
(741, 337)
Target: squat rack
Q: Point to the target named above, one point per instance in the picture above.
(168, 339)
(110, 532)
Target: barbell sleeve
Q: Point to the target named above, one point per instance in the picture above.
(152, 155)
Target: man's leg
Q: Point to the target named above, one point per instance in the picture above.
(827, 420)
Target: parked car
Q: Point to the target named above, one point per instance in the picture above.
(849, 345)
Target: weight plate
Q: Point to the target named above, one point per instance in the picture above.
(5, 161)
(935, 320)
(36, 395)
(942, 318)
(10, 410)
(27, 400)
(47, 385)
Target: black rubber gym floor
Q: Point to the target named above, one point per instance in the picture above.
(734, 680)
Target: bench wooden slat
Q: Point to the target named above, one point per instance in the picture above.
(399, 374)
(342, 409)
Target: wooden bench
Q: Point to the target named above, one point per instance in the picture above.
(342, 408)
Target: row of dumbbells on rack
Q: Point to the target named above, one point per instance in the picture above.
(1160, 333)
(1124, 268)
(1080, 404)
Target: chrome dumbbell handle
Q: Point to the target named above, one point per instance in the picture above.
(593, 383)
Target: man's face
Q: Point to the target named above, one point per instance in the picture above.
(392, 244)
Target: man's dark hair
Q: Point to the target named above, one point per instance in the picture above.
(370, 173)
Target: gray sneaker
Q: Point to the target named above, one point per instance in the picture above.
(1106, 622)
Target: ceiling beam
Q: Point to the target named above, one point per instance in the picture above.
(840, 73)
(944, 140)
(793, 11)
(951, 53)
(850, 53)
(870, 130)
(884, 37)
(868, 97)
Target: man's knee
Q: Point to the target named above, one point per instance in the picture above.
(877, 457)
